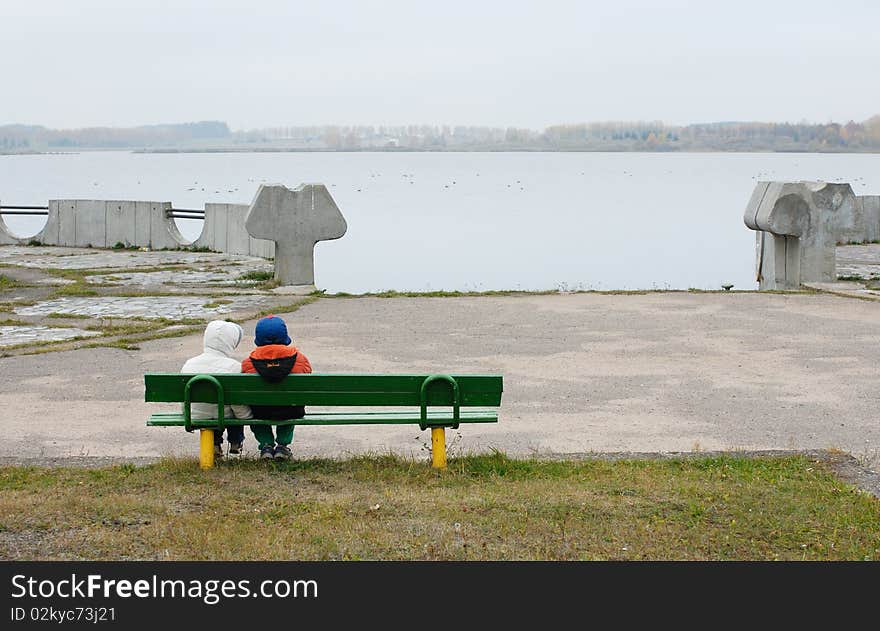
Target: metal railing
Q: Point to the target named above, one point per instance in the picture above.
(24, 210)
(181, 213)
(185, 213)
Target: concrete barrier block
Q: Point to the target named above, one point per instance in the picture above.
(871, 216)
(142, 221)
(90, 223)
(807, 218)
(261, 247)
(121, 217)
(224, 231)
(6, 236)
(66, 223)
(237, 237)
(220, 227)
(163, 231)
(49, 233)
(295, 220)
(207, 237)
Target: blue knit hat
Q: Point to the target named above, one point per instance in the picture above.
(271, 330)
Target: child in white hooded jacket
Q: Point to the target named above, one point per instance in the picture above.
(221, 339)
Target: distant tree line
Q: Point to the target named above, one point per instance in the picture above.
(732, 136)
(33, 137)
(606, 136)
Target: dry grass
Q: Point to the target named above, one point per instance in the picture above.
(483, 507)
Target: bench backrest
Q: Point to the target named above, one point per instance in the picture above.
(330, 390)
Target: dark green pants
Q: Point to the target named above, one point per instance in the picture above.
(264, 436)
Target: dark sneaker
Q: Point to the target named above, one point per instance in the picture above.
(282, 452)
(235, 450)
(218, 452)
(266, 453)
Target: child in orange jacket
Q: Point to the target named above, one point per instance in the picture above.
(274, 359)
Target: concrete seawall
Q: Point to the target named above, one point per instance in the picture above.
(104, 223)
(6, 236)
(858, 222)
(143, 224)
(871, 216)
(224, 231)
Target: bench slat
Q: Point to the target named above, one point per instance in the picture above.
(389, 417)
(327, 389)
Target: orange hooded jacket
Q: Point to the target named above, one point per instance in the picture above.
(274, 362)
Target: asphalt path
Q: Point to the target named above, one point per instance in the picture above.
(659, 372)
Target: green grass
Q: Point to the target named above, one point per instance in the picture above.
(216, 303)
(125, 328)
(131, 343)
(13, 322)
(286, 308)
(257, 276)
(7, 283)
(483, 507)
(77, 289)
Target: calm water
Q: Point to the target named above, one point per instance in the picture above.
(474, 221)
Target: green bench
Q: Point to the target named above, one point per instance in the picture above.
(469, 398)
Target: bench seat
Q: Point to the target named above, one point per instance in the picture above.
(434, 402)
(390, 417)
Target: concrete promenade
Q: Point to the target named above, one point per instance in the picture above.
(655, 372)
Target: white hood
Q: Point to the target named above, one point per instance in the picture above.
(222, 336)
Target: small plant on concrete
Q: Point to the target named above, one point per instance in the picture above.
(216, 303)
(257, 276)
(7, 283)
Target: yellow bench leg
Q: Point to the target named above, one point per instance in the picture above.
(438, 447)
(206, 448)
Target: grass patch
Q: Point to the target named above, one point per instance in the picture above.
(483, 507)
(77, 289)
(265, 279)
(141, 293)
(127, 328)
(258, 276)
(288, 308)
(13, 322)
(131, 344)
(12, 306)
(7, 283)
(68, 274)
(216, 303)
(163, 267)
(41, 347)
(67, 316)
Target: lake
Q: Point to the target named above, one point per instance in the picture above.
(474, 221)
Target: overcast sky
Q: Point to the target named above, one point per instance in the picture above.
(256, 63)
